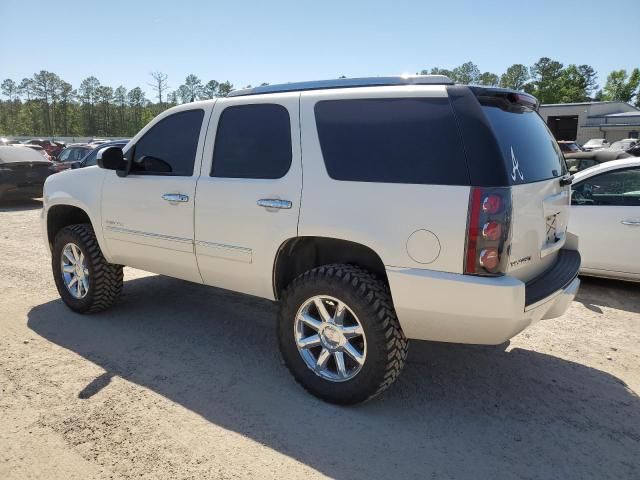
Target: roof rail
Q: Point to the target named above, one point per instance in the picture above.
(345, 83)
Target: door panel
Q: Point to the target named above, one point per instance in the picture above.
(606, 243)
(236, 240)
(145, 231)
(605, 214)
(148, 216)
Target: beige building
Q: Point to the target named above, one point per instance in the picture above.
(583, 121)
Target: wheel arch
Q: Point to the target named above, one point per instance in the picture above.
(63, 215)
(299, 254)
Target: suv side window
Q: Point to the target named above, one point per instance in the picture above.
(391, 140)
(253, 141)
(621, 187)
(169, 147)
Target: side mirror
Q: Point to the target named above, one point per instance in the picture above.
(111, 158)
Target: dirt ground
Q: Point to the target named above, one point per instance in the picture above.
(184, 381)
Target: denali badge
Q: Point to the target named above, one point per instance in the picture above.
(520, 261)
(516, 167)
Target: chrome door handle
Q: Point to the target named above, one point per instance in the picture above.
(633, 223)
(175, 197)
(274, 203)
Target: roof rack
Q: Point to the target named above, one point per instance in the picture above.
(345, 83)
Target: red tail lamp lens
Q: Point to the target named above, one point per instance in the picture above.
(492, 231)
(491, 204)
(489, 258)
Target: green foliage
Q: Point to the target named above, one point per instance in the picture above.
(489, 79)
(549, 80)
(467, 73)
(515, 77)
(622, 86)
(47, 105)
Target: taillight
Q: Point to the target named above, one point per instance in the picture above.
(488, 231)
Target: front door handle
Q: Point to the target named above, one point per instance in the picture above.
(274, 203)
(633, 223)
(175, 197)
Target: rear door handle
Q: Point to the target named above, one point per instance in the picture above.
(633, 223)
(175, 197)
(274, 203)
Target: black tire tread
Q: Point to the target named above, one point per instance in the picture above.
(377, 294)
(107, 278)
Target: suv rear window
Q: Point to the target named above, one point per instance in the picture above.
(391, 140)
(530, 152)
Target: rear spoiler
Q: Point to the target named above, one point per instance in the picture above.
(504, 96)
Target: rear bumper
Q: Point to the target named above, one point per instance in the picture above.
(449, 307)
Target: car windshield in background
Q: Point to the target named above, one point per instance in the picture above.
(528, 148)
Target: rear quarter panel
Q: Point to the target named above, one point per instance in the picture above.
(381, 216)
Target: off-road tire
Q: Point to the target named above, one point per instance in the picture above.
(105, 279)
(370, 299)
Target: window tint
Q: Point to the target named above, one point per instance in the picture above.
(621, 187)
(169, 147)
(391, 140)
(253, 141)
(525, 141)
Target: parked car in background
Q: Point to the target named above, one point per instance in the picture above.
(568, 146)
(70, 155)
(625, 144)
(52, 148)
(98, 141)
(90, 158)
(22, 171)
(35, 147)
(595, 144)
(579, 161)
(605, 214)
(378, 227)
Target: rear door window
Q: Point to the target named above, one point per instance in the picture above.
(253, 141)
(530, 152)
(391, 140)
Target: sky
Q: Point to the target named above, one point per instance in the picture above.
(250, 42)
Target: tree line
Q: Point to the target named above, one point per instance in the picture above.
(47, 105)
(550, 81)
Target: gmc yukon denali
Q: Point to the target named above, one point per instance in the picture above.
(373, 210)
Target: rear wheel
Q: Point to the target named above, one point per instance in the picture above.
(339, 335)
(85, 281)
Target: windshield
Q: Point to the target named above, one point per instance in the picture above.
(594, 142)
(529, 150)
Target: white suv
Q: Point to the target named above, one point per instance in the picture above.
(374, 210)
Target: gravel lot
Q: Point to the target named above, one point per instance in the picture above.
(184, 381)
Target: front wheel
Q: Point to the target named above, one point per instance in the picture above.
(85, 280)
(339, 334)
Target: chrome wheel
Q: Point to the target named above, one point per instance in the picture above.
(75, 273)
(330, 338)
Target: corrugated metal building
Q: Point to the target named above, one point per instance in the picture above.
(583, 121)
